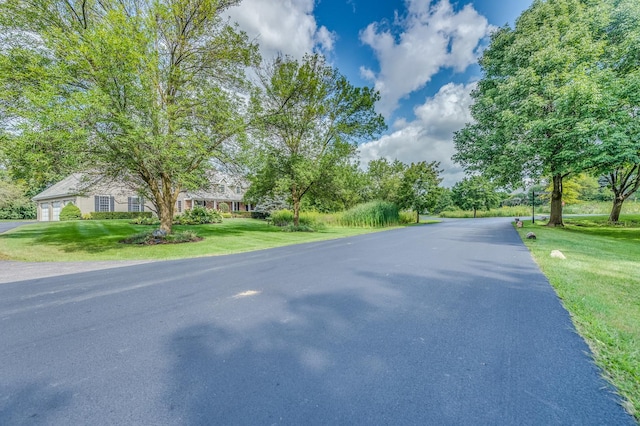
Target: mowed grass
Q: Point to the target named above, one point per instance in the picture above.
(599, 284)
(99, 240)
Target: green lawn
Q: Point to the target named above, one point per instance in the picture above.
(98, 240)
(599, 285)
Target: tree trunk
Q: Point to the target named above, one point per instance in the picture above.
(165, 213)
(417, 216)
(555, 217)
(614, 216)
(296, 212)
(474, 212)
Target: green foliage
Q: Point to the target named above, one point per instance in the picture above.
(373, 214)
(145, 220)
(197, 216)
(475, 193)
(281, 217)
(148, 91)
(445, 201)
(13, 202)
(70, 212)
(223, 207)
(285, 218)
(384, 179)
(147, 238)
(308, 121)
(117, 215)
(406, 217)
(243, 214)
(419, 189)
(347, 188)
(543, 100)
(505, 211)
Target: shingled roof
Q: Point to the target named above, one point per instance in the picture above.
(70, 186)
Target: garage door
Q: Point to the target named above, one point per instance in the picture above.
(56, 210)
(44, 210)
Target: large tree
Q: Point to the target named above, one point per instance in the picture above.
(619, 156)
(143, 91)
(385, 178)
(419, 190)
(474, 193)
(538, 107)
(309, 119)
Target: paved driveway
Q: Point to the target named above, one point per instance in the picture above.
(440, 324)
(6, 226)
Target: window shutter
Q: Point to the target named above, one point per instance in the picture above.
(129, 204)
(141, 201)
(97, 203)
(112, 204)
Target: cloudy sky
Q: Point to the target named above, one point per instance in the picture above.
(420, 54)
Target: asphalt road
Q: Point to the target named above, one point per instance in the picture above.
(440, 324)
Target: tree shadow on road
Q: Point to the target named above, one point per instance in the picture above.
(31, 404)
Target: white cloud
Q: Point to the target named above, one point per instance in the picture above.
(431, 37)
(283, 26)
(430, 136)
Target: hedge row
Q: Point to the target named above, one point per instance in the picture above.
(116, 215)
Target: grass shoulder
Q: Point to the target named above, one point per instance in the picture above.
(599, 285)
(100, 240)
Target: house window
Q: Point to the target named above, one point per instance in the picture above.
(104, 203)
(238, 190)
(136, 204)
(179, 206)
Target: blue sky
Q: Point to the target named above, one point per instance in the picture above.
(420, 54)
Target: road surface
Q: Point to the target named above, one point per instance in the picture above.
(441, 324)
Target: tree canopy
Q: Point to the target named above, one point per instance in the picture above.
(147, 92)
(539, 106)
(475, 193)
(308, 120)
(419, 190)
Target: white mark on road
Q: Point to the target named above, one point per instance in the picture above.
(247, 294)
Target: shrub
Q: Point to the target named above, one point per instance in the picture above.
(243, 214)
(407, 217)
(148, 238)
(18, 211)
(371, 215)
(118, 215)
(226, 215)
(197, 216)
(281, 217)
(259, 215)
(299, 228)
(223, 207)
(143, 220)
(70, 212)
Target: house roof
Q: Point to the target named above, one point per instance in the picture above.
(78, 183)
(214, 192)
(69, 186)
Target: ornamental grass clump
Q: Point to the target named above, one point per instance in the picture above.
(374, 214)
